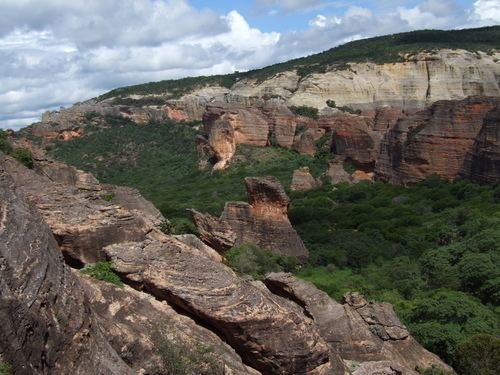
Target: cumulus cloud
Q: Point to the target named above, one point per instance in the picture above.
(56, 52)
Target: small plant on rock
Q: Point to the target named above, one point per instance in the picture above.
(102, 271)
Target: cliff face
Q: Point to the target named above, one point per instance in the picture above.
(250, 327)
(438, 140)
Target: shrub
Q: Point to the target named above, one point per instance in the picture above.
(305, 111)
(4, 368)
(108, 197)
(5, 146)
(180, 357)
(331, 103)
(479, 355)
(24, 156)
(102, 271)
(250, 260)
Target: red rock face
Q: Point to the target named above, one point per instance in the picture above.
(435, 140)
(482, 162)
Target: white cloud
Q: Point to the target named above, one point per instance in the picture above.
(486, 12)
(57, 52)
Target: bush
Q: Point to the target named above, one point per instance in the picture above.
(183, 358)
(479, 355)
(250, 260)
(5, 146)
(108, 197)
(305, 111)
(4, 368)
(24, 156)
(102, 271)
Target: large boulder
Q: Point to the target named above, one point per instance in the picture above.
(302, 180)
(82, 221)
(268, 332)
(47, 325)
(358, 330)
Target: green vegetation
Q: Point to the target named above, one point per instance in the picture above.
(331, 103)
(5, 146)
(4, 368)
(389, 48)
(250, 260)
(185, 358)
(479, 355)
(431, 249)
(139, 102)
(24, 156)
(102, 271)
(305, 111)
(108, 197)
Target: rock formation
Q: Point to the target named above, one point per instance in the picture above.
(47, 325)
(71, 202)
(358, 330)
(262, 221)
(336, 171)
(434, 140)
(302, 180)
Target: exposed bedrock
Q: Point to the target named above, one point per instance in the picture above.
(302, 180)
(71, 203)
(137, 326)
(360, 331)
(270, 333)
(47, 323)
(262, 221)
(438, 140)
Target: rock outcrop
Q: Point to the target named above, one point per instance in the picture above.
(302, 180)
(47, 324)
(71, 203)
(358, 330)
(435, 140)
(139, 327)
(262, 221)
(268, 332)
(336, 171)
(482, 162)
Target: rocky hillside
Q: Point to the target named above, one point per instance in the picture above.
(281, 326)
(357, 101)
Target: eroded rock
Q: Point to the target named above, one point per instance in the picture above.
(302, 180)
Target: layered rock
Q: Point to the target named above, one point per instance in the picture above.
(336, 172)
(71, 203)
(435, 140)
(302, 180)
(482, 162)
(138, 327)
(268, 332)
(263, 221)
(364, 332)
(47, 325)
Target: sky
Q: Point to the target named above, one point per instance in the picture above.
(57, 52)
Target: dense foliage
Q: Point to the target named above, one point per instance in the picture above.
(23, 155)
(379, 50)
(432, 249)
(102, 271)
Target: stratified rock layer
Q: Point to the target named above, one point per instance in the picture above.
(47, 324)
(358, 330)
(269, 333)
(437, 140)
(302, 180)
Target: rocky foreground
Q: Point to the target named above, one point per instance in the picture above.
(177, 294)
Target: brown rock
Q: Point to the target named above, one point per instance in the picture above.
(47, 325)
(264, 220)
(81, 221)
(305, 143)
(366, 332)
(435, 140)
(302, 180)
(194, 242)
(213, 231)
(336, 171)
(268, 332)
(358, 176)
(482, 162)
(221, 140)
(137, 325)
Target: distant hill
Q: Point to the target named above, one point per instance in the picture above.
(383, 49)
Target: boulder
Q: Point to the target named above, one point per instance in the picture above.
(80, 219)
(213, 231)
(268, 332)
(364, 333)
(302, 180)
(139, 327)
(47, 326)
(336, 171)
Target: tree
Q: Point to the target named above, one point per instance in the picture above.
(479, 355)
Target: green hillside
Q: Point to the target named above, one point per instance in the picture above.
(379, 50)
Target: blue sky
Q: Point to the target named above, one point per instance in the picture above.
(57, 52)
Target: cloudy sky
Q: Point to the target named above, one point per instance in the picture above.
(57, 52)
